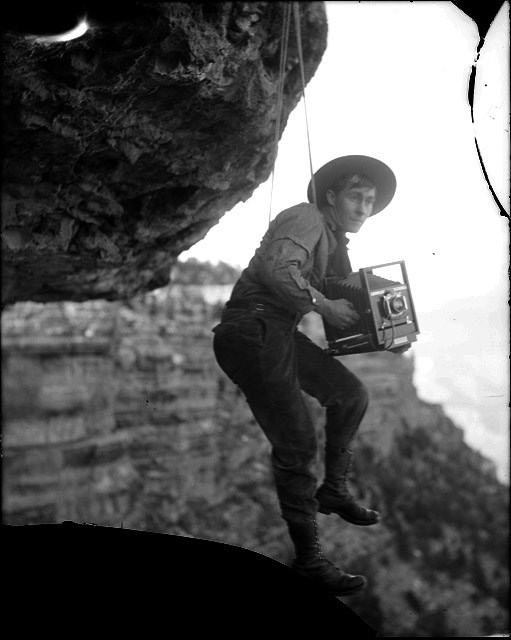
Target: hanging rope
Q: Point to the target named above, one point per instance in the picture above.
(300, 55)
(286, 21)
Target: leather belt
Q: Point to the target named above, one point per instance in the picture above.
(264, 307)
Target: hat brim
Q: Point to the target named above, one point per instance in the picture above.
(382, 176)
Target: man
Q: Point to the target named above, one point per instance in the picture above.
(259, 347)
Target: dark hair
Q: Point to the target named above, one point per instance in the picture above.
(352, 180)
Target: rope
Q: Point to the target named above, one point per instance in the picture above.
(300, 55)
(286, 21)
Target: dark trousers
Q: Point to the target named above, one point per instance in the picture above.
(272, 363)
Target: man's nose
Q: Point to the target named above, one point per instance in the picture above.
(364, 209)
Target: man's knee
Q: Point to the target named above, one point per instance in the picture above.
(295, 460)
(355, 395)
(361, 394)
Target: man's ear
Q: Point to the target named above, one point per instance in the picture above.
(330, 196)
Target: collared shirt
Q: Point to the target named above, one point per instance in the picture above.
(295, 255)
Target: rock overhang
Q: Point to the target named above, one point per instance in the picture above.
(122, 148)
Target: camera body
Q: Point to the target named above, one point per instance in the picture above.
(388, 319)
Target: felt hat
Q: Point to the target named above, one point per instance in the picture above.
(382, 176)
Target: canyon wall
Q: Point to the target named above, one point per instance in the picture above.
(97, 392)
(116, 413)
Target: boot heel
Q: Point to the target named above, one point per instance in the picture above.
(324, 510)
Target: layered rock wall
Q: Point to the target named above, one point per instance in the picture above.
(110, 407)
(107, 404)
(117, 414)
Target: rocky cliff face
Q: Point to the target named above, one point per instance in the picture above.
(124, 147)
(116, 413)
(136, 380)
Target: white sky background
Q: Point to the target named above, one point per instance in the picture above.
(393, 84)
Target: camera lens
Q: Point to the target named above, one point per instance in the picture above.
(397, 305)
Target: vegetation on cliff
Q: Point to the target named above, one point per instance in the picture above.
(447, 565)
(197, 272)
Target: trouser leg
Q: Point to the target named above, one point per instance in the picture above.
(343, 395)
(264, 365)
(344, 416)
(265, 368)
(293, 456)
(345, 398)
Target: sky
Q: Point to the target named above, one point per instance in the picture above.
(393, 84)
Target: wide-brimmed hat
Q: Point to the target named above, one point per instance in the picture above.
(382, 176)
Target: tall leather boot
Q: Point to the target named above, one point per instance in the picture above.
(311, 563)
(334, 497)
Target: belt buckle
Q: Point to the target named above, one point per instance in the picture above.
(259, 307)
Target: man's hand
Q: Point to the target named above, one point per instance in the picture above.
(339, 313)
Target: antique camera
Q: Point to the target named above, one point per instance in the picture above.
(388, 318)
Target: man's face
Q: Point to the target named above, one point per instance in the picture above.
(352, 206)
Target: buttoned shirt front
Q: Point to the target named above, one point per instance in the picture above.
(289, 266)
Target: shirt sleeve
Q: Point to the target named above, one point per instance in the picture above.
(289, 247)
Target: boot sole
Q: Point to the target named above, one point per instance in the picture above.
(360, 523)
